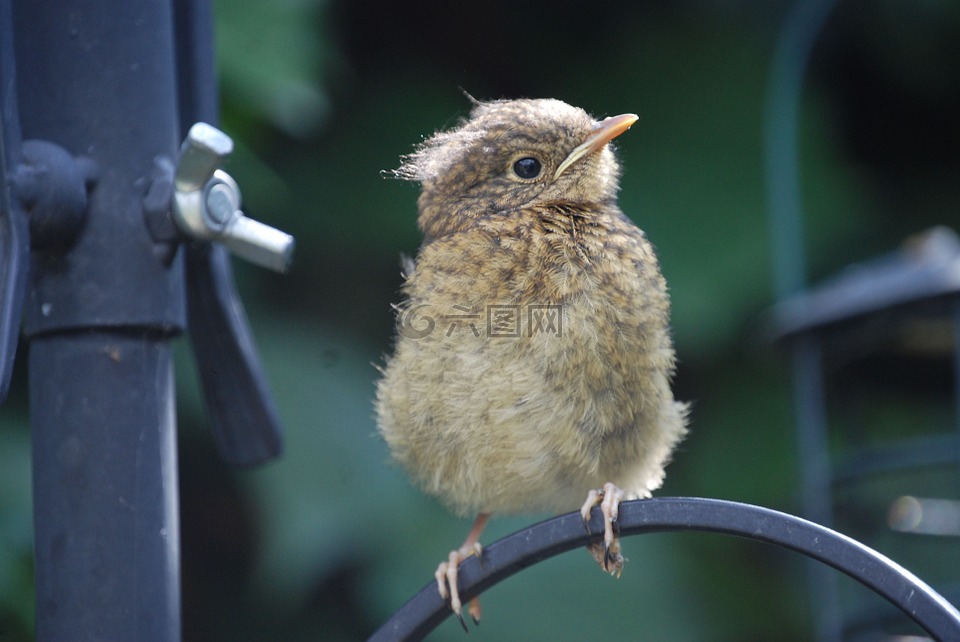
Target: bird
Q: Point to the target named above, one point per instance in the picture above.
(533, 361)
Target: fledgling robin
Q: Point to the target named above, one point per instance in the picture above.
(533, 358)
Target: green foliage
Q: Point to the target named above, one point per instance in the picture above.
(16, 530)
(270, 59)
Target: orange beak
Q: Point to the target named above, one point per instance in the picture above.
(603, 132)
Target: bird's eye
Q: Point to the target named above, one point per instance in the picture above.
(527, 167)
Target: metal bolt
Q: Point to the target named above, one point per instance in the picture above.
(207, 202)
(220, 207)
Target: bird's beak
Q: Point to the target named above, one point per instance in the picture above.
(603, 132)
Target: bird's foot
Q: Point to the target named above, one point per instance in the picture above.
(607, 553)
(447, 572)
(447, 582)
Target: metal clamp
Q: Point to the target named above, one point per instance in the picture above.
(206, 203)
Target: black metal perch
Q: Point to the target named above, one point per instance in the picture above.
(510, 555)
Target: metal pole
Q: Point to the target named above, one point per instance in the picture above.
(781, 121)
(98, 79)
(105, 487)
(782, 169)
(815, 481)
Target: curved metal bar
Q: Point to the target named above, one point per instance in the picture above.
(926, 607)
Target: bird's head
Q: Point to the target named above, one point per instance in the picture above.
(512, 155)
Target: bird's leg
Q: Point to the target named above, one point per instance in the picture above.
(447, 572)
(608, 554)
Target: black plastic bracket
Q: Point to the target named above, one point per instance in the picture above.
(238, 401)
(14, 237)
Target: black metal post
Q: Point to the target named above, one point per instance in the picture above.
(105, 487)
(815, 479)
(98, 79)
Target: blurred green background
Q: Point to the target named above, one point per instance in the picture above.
(322, 96)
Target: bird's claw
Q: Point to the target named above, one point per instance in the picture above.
(593, 498)
(608, 554)
(446, 576)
